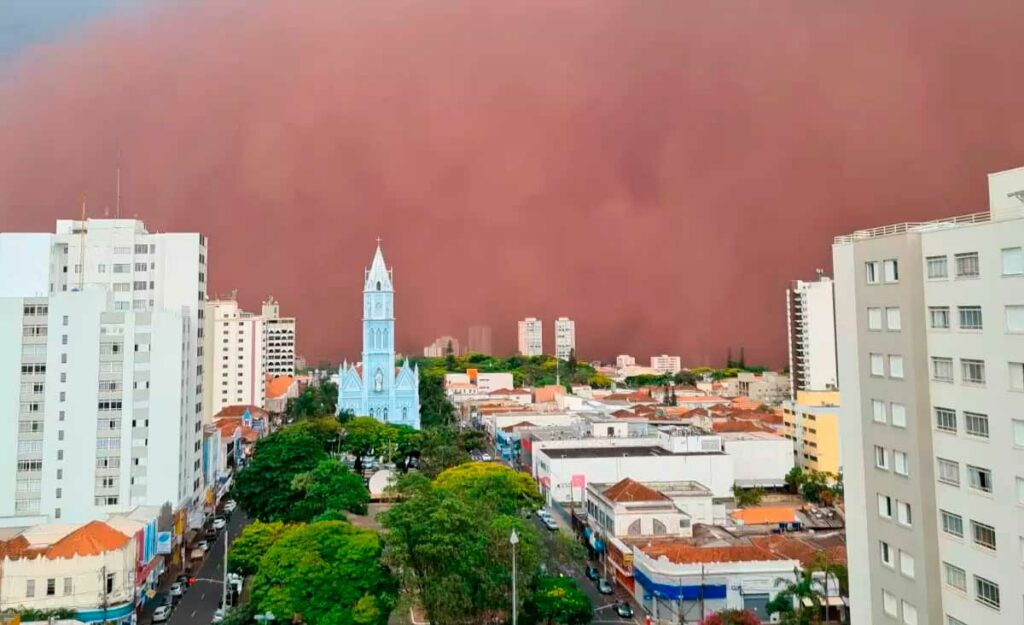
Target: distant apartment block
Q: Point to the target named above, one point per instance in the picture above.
(565, 337)
(624, 360)
(480, 340)
(101, 367)
(930, 320)
(531, 337)
(278, 340)
(812, 335)
(233, 350)
(812, 423)
(666, 364)
(440, 347)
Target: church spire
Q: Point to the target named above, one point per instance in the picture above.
(378, 278)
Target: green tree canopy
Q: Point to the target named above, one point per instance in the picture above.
(329, 573)
(263, 488)
(361, 437)
(252, 544)
(441, 449)
(315, 401)
(329, 487)
(559, 600)
(508, 490)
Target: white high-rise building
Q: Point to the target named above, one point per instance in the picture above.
(667, 364)
(930, 320)
(100, 370)
(531, 337)
(278, 340)
(565, 337)
(624, 360)
(810, 310)
(233, 347)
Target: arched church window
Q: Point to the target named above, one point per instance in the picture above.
(405, 413)
(386, 343)
(659, 527)
(634, 528)
(378, 285)
(385, 415)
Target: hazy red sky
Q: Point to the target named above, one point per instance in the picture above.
(657, 170)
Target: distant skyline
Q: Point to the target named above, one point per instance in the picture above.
(659, 171)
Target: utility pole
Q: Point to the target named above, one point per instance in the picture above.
(103, 582)
(514, 540)
(224, 589)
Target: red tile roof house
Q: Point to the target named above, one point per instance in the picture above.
(62, 566)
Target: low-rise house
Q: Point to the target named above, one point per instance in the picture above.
(87, 568)
(632, 510)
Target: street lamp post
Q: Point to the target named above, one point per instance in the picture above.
(514, 540)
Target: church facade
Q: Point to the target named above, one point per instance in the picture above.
(376, 387)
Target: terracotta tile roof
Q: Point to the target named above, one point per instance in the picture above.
(764, 515)
(279, 386)
(17, 547)
(623, 414)
(89, 540)
(521, 424)
(696, 413)
(806, 551)
(735, 426)
(510, 391)
(239, 410)
(701, 399)
(690, 554)
(630, 490)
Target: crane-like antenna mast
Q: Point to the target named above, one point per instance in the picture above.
(81, 249)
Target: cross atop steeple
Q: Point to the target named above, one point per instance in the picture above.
(378, 241)
(378, 278)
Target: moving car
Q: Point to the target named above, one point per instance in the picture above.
(161, 613)
(624, 610)
(177, 589)
(604, 587)
(593, 574)
(219, 523)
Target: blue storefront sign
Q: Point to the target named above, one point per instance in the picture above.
(675, 592)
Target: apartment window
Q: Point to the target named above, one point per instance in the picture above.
(893, 322)
(942, 369)
(871, 272)
(896, 367)
(972, 371)
(141, 248)
(122, 287)
(970, 317)
(937, 267)
(983, 535)
(1020, 490)
(945, 420)
(30, 588)
(889, 603)
(987, 592)
(952, 524)
(122, 268)
(885, 506)
(878, 410)
(1018, 433)
(904, 514)
(979, 478)
(892, 270)
(976, 424)
(140, 266)
(1013, 261)
(949, 472)
(955, 576)
(881, 458)
(1015, 318)
(877, 365)
(874, 318)
(909, 613)
(900, 463)
(907, 564)
(886, 552)
(1016, 376)
(967, 265)
(51, 587)
(68, 586)
(899, 414)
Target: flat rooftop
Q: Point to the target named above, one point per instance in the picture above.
(619, 452)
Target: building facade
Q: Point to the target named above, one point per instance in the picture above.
(233, 351)
(480, 340)
(101, 364)
(376, 387)
(565, 338)
(278, 340)
(810, 310)
(666, 364)
(439, 348)
(811, 422)
(931, 320)
(531, 337)
(624, 360)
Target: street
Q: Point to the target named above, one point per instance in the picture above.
(203, 598)
(604, 605)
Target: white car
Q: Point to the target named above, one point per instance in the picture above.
(161, 613)
(177, 589)
(219, 524)
(230, 505)
(485, 457)
(202, 544)
(218, 616)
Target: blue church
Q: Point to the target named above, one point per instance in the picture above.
(376, 387)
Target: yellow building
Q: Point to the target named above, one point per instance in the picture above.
(812, 423)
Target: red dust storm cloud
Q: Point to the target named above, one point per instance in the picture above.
(658, 170)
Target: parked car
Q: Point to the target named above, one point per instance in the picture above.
(543, 513)
(219, 523)
(177, 589)
(550, 523)
(218, 615)
(230, 505)
(161, 613)
(604, 587)
(210, 534)
(624, 610)
(593, 574)
(202, 544)
(486, 457)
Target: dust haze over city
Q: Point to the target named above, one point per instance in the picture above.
(659, 171)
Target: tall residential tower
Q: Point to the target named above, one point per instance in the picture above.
(810, 310)
(565, 338)
(531, 337)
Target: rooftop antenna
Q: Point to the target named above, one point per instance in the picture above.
(81, 249)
